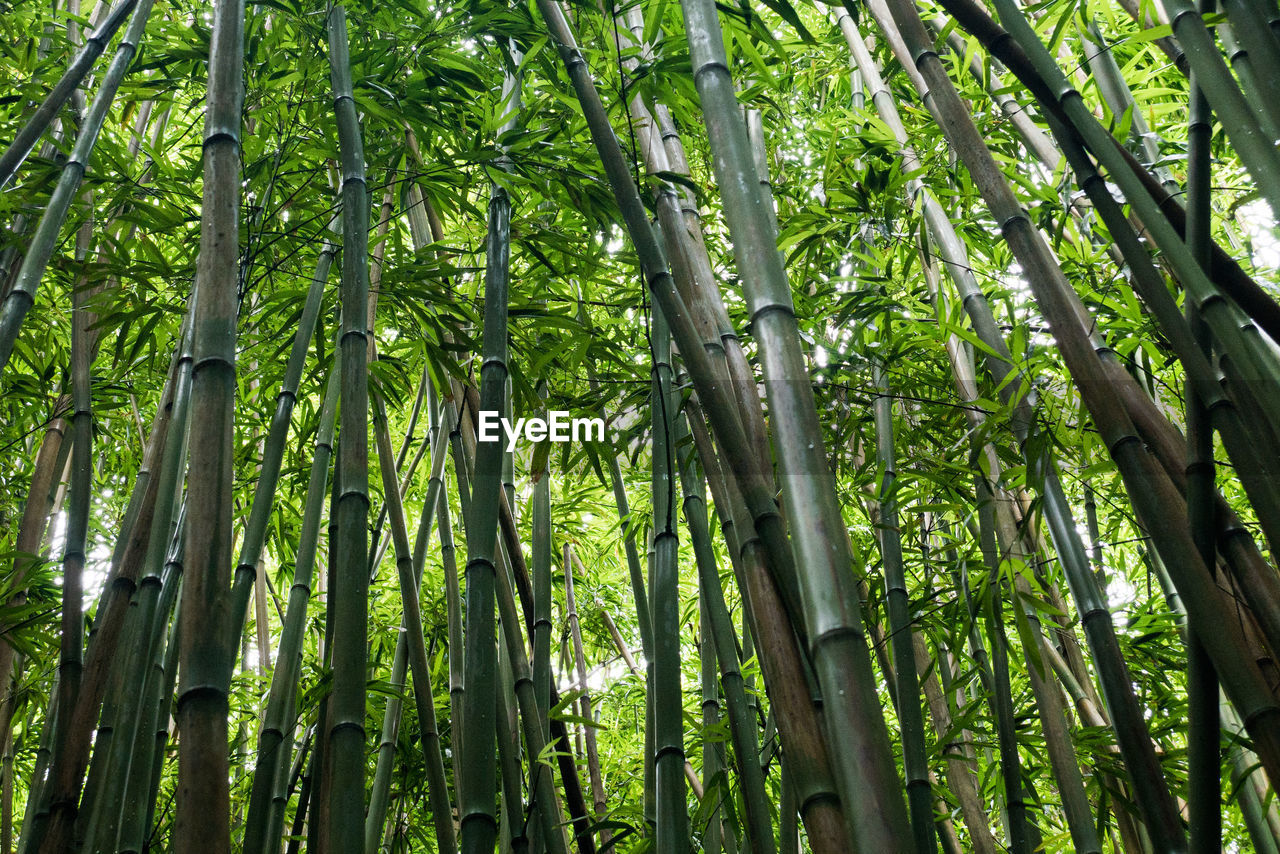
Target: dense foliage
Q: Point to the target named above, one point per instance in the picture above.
(890, 353)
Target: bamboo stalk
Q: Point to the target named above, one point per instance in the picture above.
(479, 824)
(71, 650)
(453, 596)
(664, 590)
(127, 823)
(345, 734)
(1257, 364)
(123, 730)
(206, 656)
(410, 569)
(255, 529)
(6, 783)
(803, 739)
(541, 526)
(531, 717)
(898, 605)
(711, 596)
(265, 817)
(317, 826)
(512, 832)
(378, 798)
(636, 575)
(838, 644)
(1179, 255)
(1204, 762)
(600, 805)
(713, 764)
(1226, 272)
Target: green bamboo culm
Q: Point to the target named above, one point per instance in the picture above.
(838, 643)
(476, 795)
(532, 718)
(723, 651)
(379, 796)
(255, 529)
(123, 711)
(512, 829)
(898, 604)
(206, 656)
(345, 734)
(541, 640)
(410, 565)
(803, 741)
(77, 70)
(18, 301)
(713, 763)
(116, 822)
(599, 802)
(71, 651)
(664, 593)
(635, 573)
(265, 819)
(144, 783)
(1204, 760)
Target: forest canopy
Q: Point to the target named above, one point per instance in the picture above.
(936, 348)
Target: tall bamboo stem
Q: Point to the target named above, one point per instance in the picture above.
(479, 824)
(664, 589)
(898, 604)
(1204, 762)
(720, 625)
(345, 735)
(782, 660)
(203, 811)
(265, 818)
(410, 568)
(600, 804)
(829, 596)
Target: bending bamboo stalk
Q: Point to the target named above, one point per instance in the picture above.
(80, 65)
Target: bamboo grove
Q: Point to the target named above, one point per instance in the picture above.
(937, 348)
